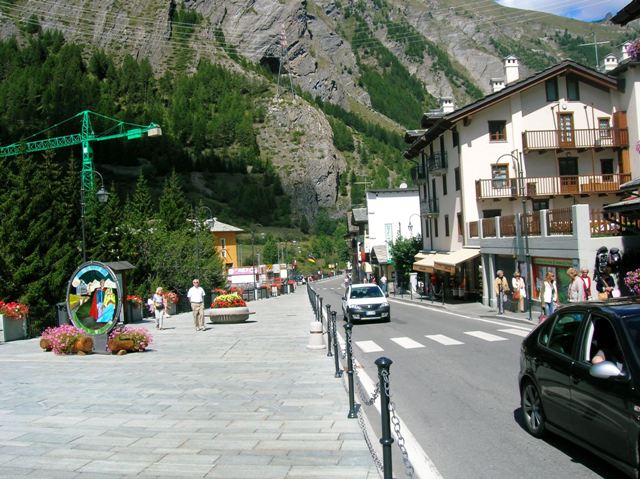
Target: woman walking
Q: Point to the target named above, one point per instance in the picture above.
(159, 304)
(549, 293)
(575, 291)
(519, 290)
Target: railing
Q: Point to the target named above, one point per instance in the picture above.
(473, 230)
(488, 227)
(508, 225)
(437, 161)
(533, 224)
(588, 138)
(429, 207)
(560, 221)
(552, 185)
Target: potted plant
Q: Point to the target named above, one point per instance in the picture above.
(13, 319)
(632, 280)
(134, 303)
(66, 339)
(126, 339)
(172, 299)
(228, 308)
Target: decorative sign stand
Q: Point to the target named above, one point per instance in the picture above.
(94, 301)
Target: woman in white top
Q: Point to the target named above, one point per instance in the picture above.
(159, 304)
(575, 291)
(519, 290)
(549, 293)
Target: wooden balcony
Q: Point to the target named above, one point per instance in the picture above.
(547, 186)
(575, 139)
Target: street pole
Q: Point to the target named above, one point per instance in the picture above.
(253, 261)
(82, 208)
(527, 259)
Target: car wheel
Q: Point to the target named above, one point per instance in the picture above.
(531, 403)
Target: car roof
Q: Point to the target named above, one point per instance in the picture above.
(364, 286)
(622, 307)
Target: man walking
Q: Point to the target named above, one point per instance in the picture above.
(196, 298)
(501, 288)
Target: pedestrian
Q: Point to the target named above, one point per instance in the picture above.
(501, 288)
(196, 298)
(519, 290)
(575, 290)
(159, 305)
(605, 284)
(584, 276)
(549, 293)
(383, 283)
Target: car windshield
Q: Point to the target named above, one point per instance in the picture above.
(367, 292)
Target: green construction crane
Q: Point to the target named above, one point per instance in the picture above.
(119, 129)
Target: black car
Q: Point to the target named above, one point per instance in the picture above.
(580, 378)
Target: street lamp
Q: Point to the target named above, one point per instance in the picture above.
(517, 166)
(253, 258)
(410, 226)
(103, 197)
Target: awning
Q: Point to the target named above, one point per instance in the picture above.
(424, 263)
(449, 262)
(379, 255)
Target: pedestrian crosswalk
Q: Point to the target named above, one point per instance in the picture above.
(404, 342)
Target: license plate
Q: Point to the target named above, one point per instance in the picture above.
(371, 313)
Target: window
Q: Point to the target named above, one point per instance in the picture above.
(442, 153)
(444, 185)
(499, 176)
(498, 130)
(456, 177)
(388, 232)
(459, 218)
(455, 138)
(433, 188)
(564, 332)
(435, 226)
(446, 225)
(605, 127)
(540, 205)
(491, 213)
(426, 228)
(573, 89)
(606, 167)
(601, 340)
(551, 86)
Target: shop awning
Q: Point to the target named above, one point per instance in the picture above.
(424, 263)
(379, 255)
(449, 262)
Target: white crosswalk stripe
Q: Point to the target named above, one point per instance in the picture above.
(518, 332)
(368, 346)
(442, 339)
(485, 336)
(407, 343)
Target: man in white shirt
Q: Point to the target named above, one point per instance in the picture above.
(196, 298)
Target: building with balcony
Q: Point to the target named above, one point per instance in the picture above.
(488, 171)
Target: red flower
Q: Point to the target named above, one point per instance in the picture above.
(13, 310)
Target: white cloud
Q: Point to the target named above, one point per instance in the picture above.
(586, 10)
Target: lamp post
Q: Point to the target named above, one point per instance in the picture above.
(517, 165)
(253, 258)
(410, 226)
(103, 197)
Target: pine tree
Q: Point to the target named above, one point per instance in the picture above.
(174, 208)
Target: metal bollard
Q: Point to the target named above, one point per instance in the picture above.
(386, 440)
(320, 308)
(352, 405)
(329, 353)
(334, 333)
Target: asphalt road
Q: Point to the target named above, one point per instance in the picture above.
(461, 401)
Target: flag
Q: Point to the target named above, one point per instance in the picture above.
(311, 259)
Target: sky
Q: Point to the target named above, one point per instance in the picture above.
(586, 10)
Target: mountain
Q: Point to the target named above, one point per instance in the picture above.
(363, 71)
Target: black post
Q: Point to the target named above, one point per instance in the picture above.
(352, 404)
(329, 353)
(319, 308)
(334, 332)
(386, 440)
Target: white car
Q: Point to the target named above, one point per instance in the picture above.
(365, 302)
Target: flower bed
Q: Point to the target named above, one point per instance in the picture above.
(228, 308)
(14, 310)
(125, 339)
(135, 299)
(232, 300)
(66, 339)
(632, 280)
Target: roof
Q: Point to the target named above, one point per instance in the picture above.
(360, 215)
(449, 120)
(627, 14)
(379, 254)
(119, 265)
(220, 227)
(395, 190)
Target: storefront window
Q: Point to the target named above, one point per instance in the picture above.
(557, 266)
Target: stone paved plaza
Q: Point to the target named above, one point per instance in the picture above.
(235, 401)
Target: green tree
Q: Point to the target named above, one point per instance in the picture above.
(270, 250)
(403, 250)
(174, 208)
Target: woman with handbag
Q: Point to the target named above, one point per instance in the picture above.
(575, 291)
(519, 290)
(159, 305)
(605, 285)
(549, 293)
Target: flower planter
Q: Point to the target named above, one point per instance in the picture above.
(171, 308)
(13, 329)
(135, 312)
(228, 315)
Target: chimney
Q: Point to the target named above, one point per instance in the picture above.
(625, 54)
(610, 62)
(497, 84)
(511, 70)
(446, 104)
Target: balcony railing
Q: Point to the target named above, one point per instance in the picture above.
(418, 173)
(560, 221)
(566, 139)
(551, 185)
(429, 207)
(488, 227)
(437, 162)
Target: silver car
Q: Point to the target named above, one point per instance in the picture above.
(365, 302)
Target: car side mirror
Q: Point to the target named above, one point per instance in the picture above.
(605, 370)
